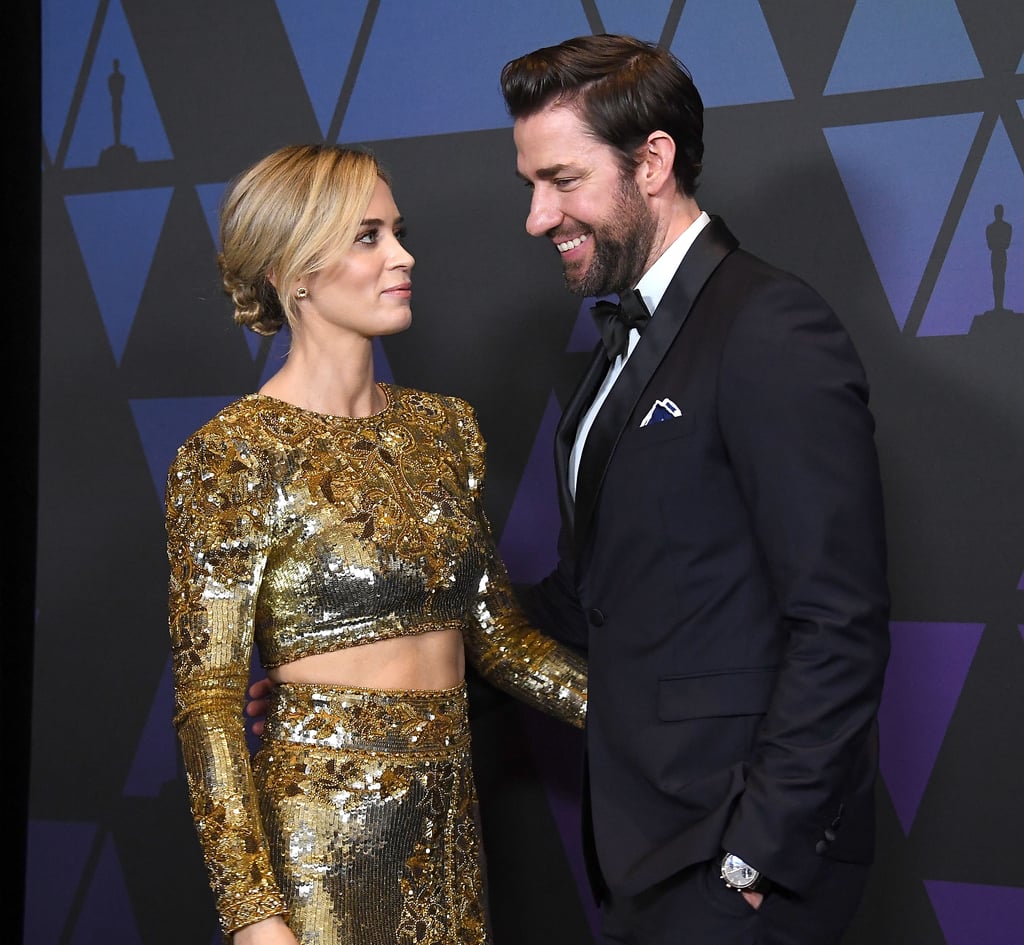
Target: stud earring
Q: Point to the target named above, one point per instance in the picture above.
(301, 292)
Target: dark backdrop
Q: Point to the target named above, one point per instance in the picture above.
(862, 144)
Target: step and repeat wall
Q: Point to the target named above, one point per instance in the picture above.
(874, 147)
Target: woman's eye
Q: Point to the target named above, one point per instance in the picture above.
(369, 237)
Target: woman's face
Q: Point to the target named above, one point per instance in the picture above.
(366, 288)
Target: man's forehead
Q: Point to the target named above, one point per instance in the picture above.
(554, 141)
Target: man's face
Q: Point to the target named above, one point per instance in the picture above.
(594, 214)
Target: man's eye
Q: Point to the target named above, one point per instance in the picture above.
(563, 182)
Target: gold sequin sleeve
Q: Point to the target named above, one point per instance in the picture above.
(500, 643)
(216, 549)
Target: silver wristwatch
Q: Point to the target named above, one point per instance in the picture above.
(740, 875)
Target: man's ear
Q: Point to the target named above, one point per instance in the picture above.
(657, 156)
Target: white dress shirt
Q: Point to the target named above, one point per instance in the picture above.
(652, 286)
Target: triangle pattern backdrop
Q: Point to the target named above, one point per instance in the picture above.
(919, 177)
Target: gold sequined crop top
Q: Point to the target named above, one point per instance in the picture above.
(304, 533)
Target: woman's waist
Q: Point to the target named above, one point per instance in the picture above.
(431, 657)
(358, 718)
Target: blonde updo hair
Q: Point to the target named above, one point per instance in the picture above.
(282, 218)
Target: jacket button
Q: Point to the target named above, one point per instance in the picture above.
(596, 618)
(821, 847)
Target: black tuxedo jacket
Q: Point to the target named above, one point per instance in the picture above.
(725, 572)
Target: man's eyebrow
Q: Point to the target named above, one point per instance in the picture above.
(547, 173)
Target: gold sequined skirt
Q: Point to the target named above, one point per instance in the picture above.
(369, 803)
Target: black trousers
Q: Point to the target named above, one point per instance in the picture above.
(694, 907)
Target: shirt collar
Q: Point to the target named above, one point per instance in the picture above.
(654, 282)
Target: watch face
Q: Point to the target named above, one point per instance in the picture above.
(738, 874)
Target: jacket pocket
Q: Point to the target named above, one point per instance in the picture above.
(639, 437)
(722, 694)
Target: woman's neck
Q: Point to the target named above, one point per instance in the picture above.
(339, 383)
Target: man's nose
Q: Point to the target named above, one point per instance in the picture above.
(544, 214)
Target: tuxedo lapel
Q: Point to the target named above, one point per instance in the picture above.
(712, 245)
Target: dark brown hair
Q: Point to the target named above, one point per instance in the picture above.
(622, 88)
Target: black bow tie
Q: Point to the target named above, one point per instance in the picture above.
(614, 321)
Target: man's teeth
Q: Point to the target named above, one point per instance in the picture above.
(572, 244)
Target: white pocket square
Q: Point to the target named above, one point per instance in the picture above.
(663, 409)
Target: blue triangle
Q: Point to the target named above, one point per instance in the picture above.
(530, 539)
(900, 176)
(156, 756)
(209, 199)
(279, 351)
(382, 367)
(964, 287)
(712, 32)
(57, 854)
(643, 20)
(976, 914)
(407, 87)
(107, 914)
(164, 423)
(584, 333)
(279, 344)
(322, 36)
(210, 196)
(66, 25)
(897, 44)
(927, 669)
(142, 130)
(117, 235)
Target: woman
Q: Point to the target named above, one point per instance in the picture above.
(338, 524)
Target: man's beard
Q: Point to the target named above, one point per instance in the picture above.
(621, 247)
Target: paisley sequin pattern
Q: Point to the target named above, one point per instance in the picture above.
(369, 803)
(299, 533)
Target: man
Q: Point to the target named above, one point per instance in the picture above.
(722, 553)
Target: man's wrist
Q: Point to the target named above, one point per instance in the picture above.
(741, 876)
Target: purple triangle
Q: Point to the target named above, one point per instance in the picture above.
(529, 541)
(900, 177)
(978, 915)
(964, 287)
(557, 752)
(156, 757)
(107, 914)
(927, 669)
(57, 853)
